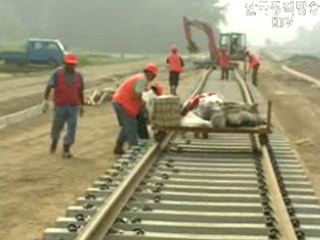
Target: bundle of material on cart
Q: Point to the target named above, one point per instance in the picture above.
(222, 115)
(210, 111)
(166, 111)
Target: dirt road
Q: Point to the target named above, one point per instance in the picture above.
(35, 187)
(18, 94)
(297, 108)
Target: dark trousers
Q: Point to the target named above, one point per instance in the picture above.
(224, 74)
(174, 81)
(143, 126)
(128, 126)
(255, 75)
(65, 115)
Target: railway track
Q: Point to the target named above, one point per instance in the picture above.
(229, 186)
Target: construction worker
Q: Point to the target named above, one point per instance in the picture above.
(224, 63)
(175, 66)
(128, 103)
(254, 64)
(68, 100)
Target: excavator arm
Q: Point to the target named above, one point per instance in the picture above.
(206, 28)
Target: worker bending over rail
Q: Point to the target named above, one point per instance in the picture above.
(254, 64)
(68, 100)
(128, 103)
(224, 63)
(175, 66)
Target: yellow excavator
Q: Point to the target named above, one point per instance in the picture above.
(235, 43)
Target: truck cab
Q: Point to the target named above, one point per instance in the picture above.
(235, 43)
(38, 51)
(50, 51)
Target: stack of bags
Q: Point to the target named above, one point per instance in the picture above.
(166, 111)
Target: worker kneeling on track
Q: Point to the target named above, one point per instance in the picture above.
(68, 100)
(128, 103)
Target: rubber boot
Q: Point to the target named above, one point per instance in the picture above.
(118, 149)
(66, 151)
(53, 146)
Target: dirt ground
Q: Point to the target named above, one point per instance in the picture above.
(14, 92)
(296, 105)
(37, 188)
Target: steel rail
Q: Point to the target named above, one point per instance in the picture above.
(284, 222)
(101, 223)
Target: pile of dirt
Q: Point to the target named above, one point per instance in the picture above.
(306, 64)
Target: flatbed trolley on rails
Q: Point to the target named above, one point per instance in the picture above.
(262, 130)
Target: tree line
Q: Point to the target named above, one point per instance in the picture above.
(146, 26)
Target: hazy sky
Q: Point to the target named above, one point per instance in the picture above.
(259, 27)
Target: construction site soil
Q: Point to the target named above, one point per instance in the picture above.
(36, 187)
(21, 93)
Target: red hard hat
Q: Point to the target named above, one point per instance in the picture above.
(174, 49)
(152, 68)
(71, 58)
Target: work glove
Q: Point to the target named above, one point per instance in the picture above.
(81, 111)
(45, 105)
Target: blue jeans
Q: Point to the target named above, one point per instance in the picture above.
(62, 115)
(128, 126)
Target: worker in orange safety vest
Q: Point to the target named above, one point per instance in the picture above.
(254, 64)
(175, 66)
(68, 100)
(128, 103)
(224, 63)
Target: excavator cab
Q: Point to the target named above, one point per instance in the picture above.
(235, 43)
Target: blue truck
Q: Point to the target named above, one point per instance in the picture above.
(38, 51)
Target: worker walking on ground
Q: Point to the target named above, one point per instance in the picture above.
(224, 63)
(254, 64)
(175, 66)
(127, 103)
(68, 100)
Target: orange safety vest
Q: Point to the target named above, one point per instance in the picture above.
(126, 96)
(65, 94)
(175, 63)
(224, 60)
(254, 61)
